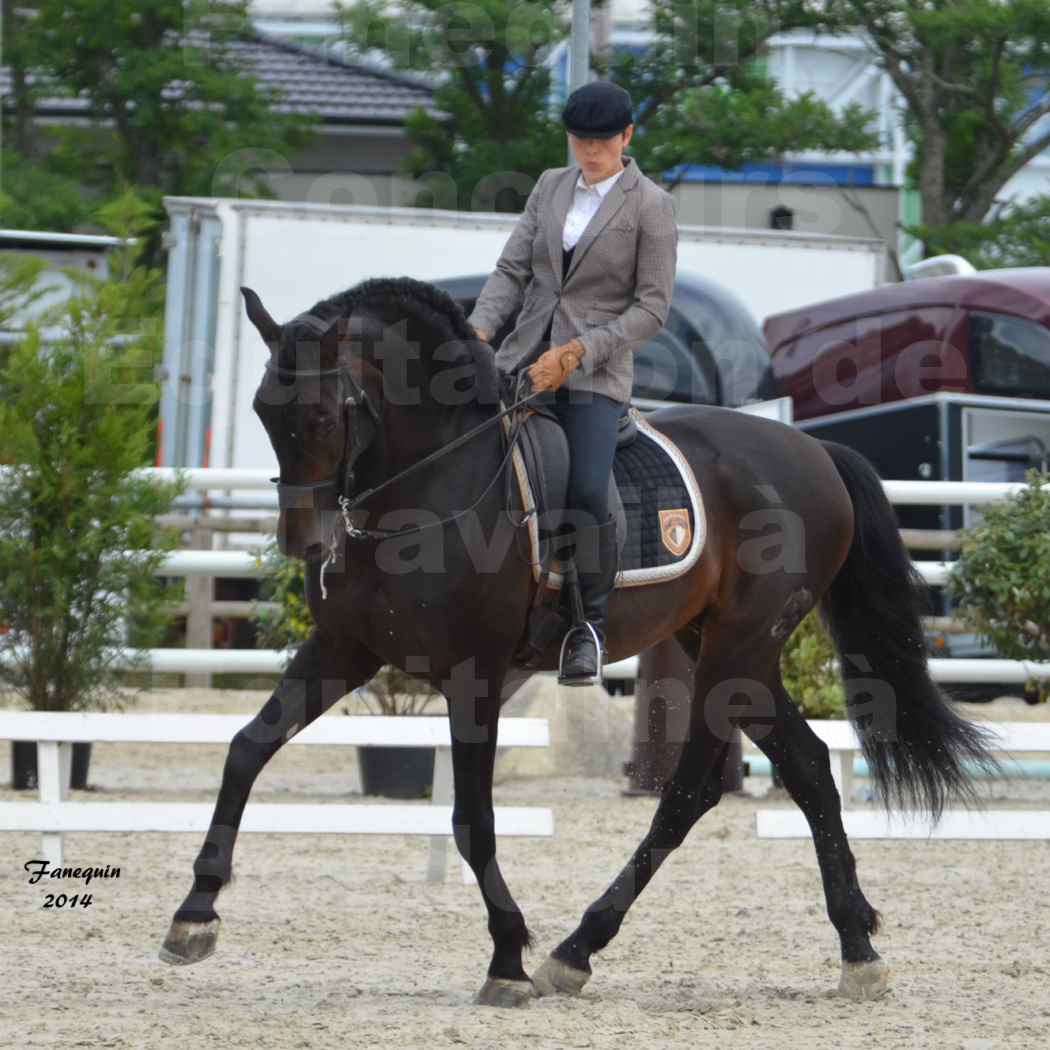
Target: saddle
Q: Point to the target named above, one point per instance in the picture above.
(653, 496)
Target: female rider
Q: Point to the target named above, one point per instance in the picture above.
(591, 265)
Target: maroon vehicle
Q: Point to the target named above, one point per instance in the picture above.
(986, 332)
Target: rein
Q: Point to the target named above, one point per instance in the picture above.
(347, 505)
(289, 495)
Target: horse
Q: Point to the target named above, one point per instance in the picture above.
(374, 383)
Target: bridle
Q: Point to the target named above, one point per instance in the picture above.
(326, 495)
(337, 491)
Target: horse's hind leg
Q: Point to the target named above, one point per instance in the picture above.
(320, 673)
(802, 760)
(694, 788)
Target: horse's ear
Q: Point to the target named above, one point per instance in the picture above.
(266, 326)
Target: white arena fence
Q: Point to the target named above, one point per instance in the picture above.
(243, 564)
(55, 732)
(52, 815)
(872, 823)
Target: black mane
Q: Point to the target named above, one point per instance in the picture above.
(433, 310)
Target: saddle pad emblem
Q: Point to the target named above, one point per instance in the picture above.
(675, 532)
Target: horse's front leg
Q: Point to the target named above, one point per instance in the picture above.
(474, 713)
(322, 671)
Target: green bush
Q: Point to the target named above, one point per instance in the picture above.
(78, 542)
(289, 623)
(1000, 586)
(807, 667)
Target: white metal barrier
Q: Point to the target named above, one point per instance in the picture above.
(942, 669)
(54, 733)
(901, 492)
(872, 823)
(243, 564)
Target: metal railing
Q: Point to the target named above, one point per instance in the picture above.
(202, 566)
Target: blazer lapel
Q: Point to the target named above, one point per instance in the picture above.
(559, 212)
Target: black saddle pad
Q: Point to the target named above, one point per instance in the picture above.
(660, 520)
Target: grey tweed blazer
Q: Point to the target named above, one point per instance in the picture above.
(616, 294)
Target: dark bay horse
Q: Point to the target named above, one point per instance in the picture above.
(423, 569)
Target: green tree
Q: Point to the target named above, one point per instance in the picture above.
(487, 61)
(78, 543)
(19, 276)
(699, 90)
(14, 25)
(35, 197)
(703, 96)
(1000, 584)
(19, 290)
(170, 109)
(1016, 235)
(975, 76)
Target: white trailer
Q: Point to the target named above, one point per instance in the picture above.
(294, 254)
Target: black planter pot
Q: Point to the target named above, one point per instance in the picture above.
(23, 765)
(396, 772)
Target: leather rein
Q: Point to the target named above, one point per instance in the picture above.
(337, 490)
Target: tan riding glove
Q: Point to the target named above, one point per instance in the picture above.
(555, 365)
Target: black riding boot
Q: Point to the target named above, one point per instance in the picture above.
(596, 565)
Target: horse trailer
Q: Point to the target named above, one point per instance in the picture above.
(296, 253)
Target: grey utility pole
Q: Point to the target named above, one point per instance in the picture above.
(579, 52)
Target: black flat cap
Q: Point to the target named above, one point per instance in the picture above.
(597, 110)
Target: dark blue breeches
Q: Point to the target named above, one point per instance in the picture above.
(590, 423)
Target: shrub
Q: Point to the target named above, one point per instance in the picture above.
(78, 543)
(1000, 585)
(807, 667)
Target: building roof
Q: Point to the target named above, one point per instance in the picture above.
(305, 79)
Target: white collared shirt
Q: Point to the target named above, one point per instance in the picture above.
(585, 202)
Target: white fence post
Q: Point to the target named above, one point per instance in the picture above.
(53, 764)
(199, 593)
(442, 794)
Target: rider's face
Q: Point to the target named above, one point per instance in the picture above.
(600, 158)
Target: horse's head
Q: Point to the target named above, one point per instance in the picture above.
(319, 420)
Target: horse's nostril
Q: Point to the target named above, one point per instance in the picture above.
(313, 551)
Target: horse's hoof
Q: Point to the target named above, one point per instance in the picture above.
(864, 980)
(498, 991)
(555, 977)
(189, 942)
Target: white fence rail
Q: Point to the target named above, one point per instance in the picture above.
(944, 670)
(55, 732)
(272, 661)
(899, 492)
(870, 823)
(243, 564)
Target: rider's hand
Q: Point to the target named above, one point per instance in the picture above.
(555, 365)
(482, 334)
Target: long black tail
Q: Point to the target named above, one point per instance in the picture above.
(916, 747)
